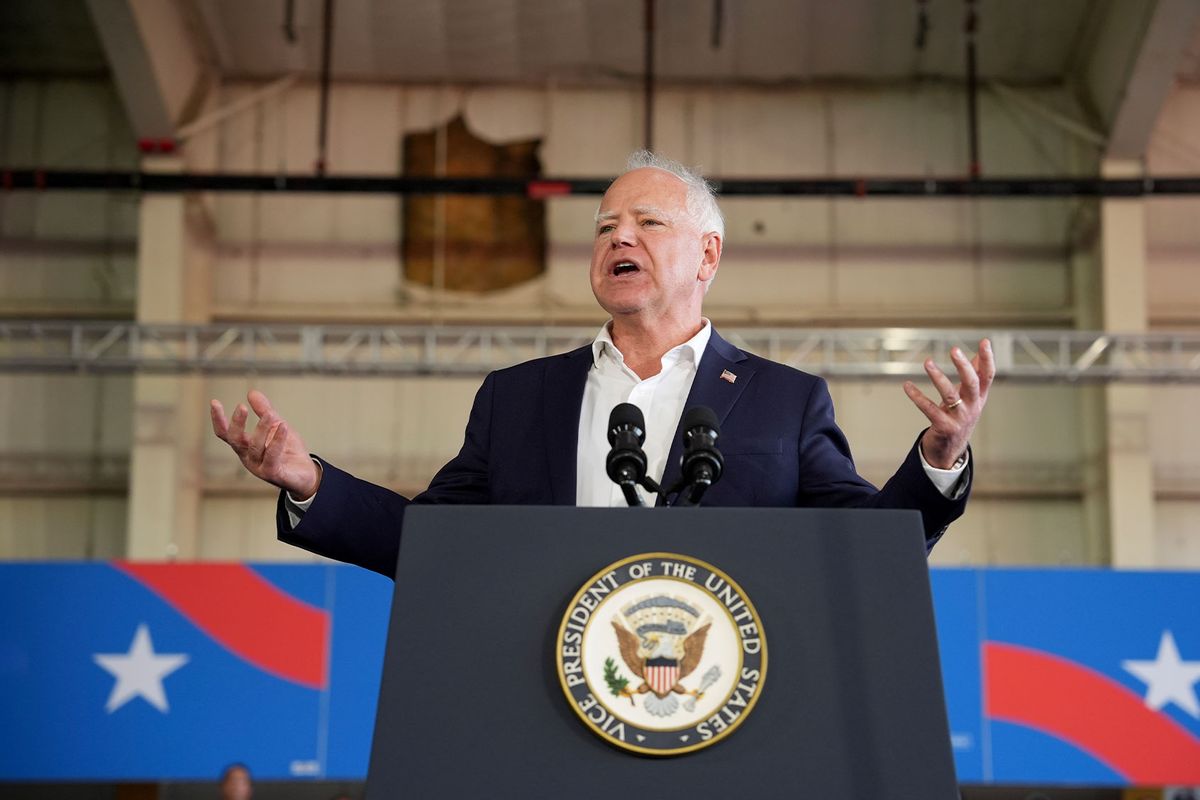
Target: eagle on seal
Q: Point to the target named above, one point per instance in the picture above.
(661, 655)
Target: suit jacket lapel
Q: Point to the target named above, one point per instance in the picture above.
(710, 389)
(566, 378)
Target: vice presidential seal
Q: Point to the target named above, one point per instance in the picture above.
(662, 654)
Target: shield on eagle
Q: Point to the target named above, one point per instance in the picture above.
(661, 674)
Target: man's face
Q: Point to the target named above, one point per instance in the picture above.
(236, 785)
(648, 254)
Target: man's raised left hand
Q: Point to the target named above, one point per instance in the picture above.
(952, 421)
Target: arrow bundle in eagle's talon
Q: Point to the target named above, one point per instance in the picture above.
(710, 677)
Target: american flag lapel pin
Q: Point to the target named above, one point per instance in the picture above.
(726, 375)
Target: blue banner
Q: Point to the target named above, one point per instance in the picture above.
(123, 671)
(1084, 676)
(170, 672)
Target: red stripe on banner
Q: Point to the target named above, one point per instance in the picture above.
(1090, 711)
(246, 614)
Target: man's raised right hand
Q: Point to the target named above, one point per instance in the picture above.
(273, 452)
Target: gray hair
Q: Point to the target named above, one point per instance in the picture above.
(701, 197)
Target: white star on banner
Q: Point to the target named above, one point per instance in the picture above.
(139, 672)
(1168, 678)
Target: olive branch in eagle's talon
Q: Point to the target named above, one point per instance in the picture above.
(617, 684)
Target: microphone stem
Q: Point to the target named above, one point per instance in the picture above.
(698, 490)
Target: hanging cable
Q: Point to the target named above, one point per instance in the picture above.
(970, 28)
(289, 21)
(648, 76)
(326, 58)
(922, 25)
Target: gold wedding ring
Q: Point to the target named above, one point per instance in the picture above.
(955, 404)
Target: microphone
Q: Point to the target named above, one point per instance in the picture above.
(626, 463)
(702, 463)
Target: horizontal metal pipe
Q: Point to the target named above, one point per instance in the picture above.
(1041, 187)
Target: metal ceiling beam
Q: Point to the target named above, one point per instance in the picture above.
(1153, 74)
(132, 68)
(883, 353)
(159, 73)
(1134, 52)
(1043, 187)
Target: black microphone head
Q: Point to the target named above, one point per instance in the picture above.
(626, 416)
(701, 462)
(700, 417)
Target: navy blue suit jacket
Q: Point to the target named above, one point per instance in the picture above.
(778, 435)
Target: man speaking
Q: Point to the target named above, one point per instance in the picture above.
(538, 431)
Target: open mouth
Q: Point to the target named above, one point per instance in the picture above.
(624, 268)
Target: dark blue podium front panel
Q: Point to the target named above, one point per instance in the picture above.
(471, 702)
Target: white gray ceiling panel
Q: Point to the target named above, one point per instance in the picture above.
(595, 41)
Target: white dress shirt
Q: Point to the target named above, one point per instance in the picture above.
(660, 397)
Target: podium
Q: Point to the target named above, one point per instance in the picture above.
(472, 705)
